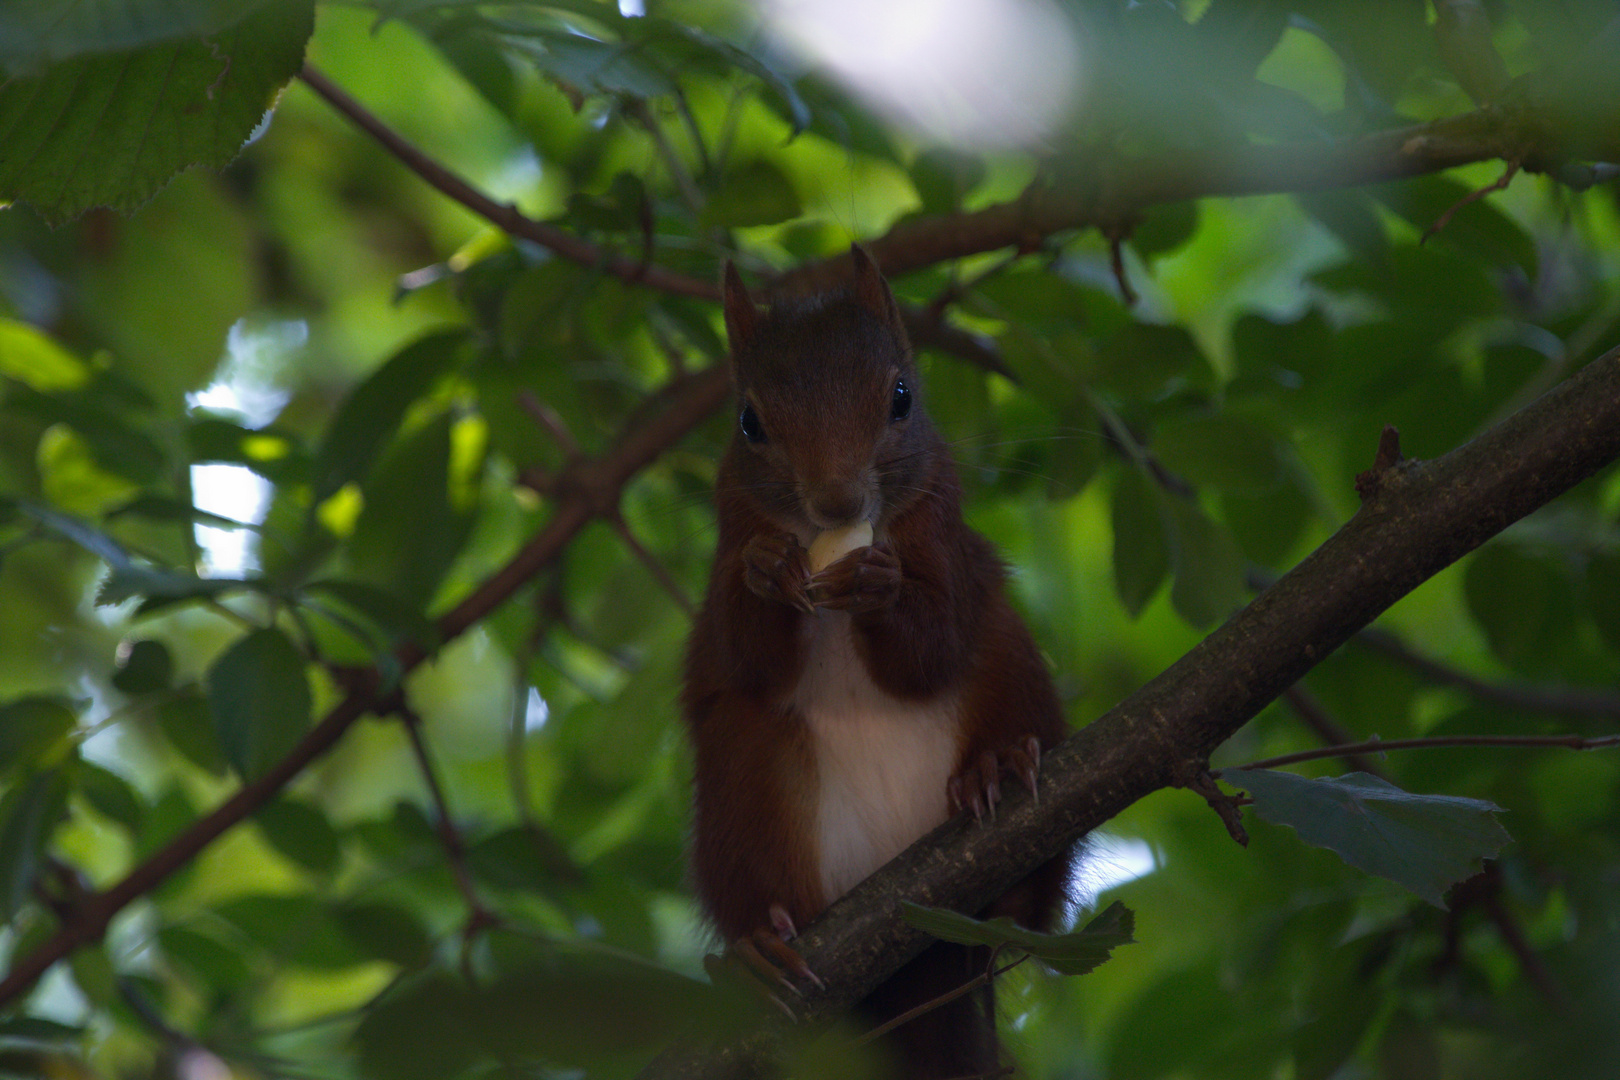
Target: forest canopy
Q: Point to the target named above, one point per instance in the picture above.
(362, 383)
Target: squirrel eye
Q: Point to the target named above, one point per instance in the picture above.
(752, 429)
(900, 404)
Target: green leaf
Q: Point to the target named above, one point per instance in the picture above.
(34, 732)
(1209, 584)
(300, 832)
(372, 412)
(35, 359)
(28, 814)
(161, 585)
(1603, 596)
(188, 724)
(386, 932)
(593, 67)
(1517, 599)
(1165, 228)
(111, 795)
(112, 129)
(296, 929)
(145, 668)
(409, 532)
(1220, 450)
(1141, 553)
(214, 963)
(397, 620)
(45, 33)
(259, 694)
(1427, 843)
(1074, 953)
(758, 193)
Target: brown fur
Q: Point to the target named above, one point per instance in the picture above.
(929, 618)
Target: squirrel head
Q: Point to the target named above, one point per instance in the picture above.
(830, 424)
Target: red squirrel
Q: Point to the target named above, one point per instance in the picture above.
(836, 716)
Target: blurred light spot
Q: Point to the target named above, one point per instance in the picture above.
(246, 386)
(978, 73)
(1110, 861)
(537, 712)
(632, 8)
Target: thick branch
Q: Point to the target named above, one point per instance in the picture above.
(585, 489)
(1419, 518)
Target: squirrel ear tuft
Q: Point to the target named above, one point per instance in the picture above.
(742, 317)
(872, 292)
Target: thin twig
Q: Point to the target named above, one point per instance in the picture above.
(657, 569)
(455, 850)
(508, 217)
(984, 978)
(1499, 184)
(1574, 701)
(1316, 717)
(1378, 746)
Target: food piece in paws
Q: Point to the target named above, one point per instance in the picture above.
(834, 544)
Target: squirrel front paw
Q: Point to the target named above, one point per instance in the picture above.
(866, 579)
(977, 786)
(776, 567)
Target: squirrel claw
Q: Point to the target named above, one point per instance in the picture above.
(768, 954)
(978, 786)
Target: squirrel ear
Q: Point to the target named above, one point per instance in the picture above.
(872, 292)
(742, 318)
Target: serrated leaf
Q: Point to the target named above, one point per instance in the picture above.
(111, 129)
(594, 67)
(372, 411)
(158, 584)
(1074, 953)
(259, 694)
(1427, 843)
(1141, 554)
(47, 32)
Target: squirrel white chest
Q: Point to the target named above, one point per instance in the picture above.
(881, 763)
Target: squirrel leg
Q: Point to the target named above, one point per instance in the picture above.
(777, 567)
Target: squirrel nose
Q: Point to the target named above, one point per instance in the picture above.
(833, 506)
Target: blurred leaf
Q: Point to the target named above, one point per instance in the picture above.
(112, 129)
(1141, 552)
(147, 667)
(1516, 599)
(372, 412)
(408, 532)
(1209, 582)
(46, 33)
(29, 812)
(386, 932)
(301, 833)
(1074, 953)
(34, 733)
(1603, 595)
(111, 795)
(1164, 229)
(295, 929)
(212, 962)
(1224, 450)
(188, 724)
(588, 66)
(260, 698)
(522, 858)
(757, 193)
(1427, 843)
(35, 359)
(94, 975)
(1478, 228)
(397, 620)
(420, 1030)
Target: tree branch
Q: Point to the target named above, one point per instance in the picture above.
(1421, 517)
(591, 484)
